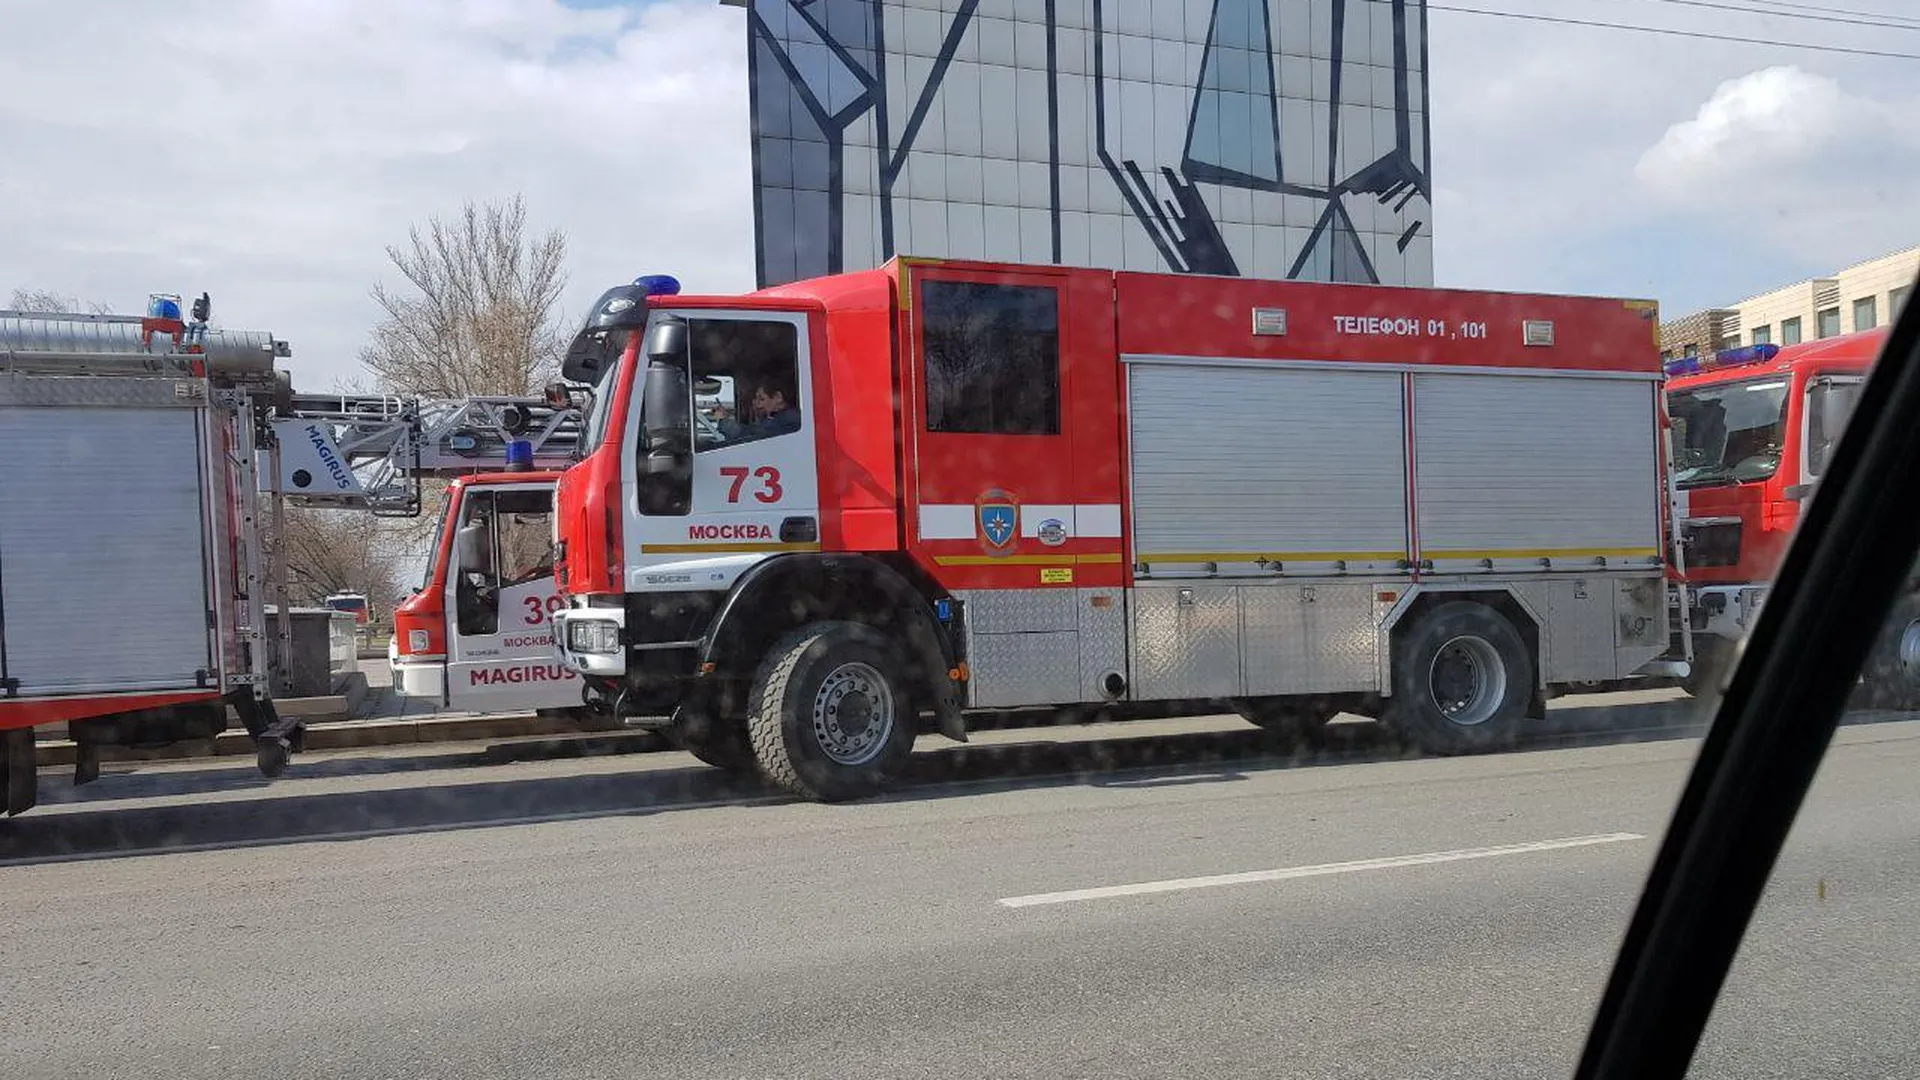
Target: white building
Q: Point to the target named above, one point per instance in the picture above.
(1859, 297)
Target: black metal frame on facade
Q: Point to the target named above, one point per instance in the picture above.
(1181, 226)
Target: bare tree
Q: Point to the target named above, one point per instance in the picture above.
(331, 551)
(481, 314)
(48, 301)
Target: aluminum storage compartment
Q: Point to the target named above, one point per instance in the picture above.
(1523, 473)
(104, 581)
(1254, 471)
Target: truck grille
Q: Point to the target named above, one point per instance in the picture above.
(1715, 543)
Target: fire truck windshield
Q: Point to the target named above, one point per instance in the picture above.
(1728, 434)
(598, 407)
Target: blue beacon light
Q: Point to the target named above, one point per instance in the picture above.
(659, 284)
(519, 456)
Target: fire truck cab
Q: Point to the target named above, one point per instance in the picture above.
(476, 634)
(1753, 430)
(807, 517)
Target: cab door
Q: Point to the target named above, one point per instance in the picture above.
(500, 654)
(753, 490)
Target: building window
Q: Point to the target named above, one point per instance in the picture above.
(1897, 301)
(1827, 322)
(1763, 335)
(1692, 351)
(1863, 314)
(1790, 331)
(1731, 341)
(992, 356)
(1666, 354)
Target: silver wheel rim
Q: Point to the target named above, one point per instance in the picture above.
(1466, 680)
(1910, 650)
(853, 714)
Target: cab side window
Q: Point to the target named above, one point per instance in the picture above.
(746, 381)
(992, 355)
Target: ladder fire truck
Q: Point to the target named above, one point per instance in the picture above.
(94, 599)
(131, 592)
(1753, 429)
(473, 635)
(939, 487)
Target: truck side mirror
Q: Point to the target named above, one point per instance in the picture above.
(472, 548)
(666, 400)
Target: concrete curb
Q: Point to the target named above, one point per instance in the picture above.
(347, 735)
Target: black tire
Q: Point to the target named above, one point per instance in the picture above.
(720, 743)
(1713, 660)
(1887, 681)
(803, 739)
(1462, 681)
(1292, 719)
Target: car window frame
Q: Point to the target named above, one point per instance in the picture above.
(1853, 553)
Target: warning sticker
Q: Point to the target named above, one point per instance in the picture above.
(1056, 575)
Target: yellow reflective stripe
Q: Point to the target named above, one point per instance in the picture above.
(721, 549)
(1271, 556)
(1545, 553)
(1107, 558)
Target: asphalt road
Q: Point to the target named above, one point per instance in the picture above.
(1174, 898)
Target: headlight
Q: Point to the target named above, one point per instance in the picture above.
(593, 636)
(417, 641)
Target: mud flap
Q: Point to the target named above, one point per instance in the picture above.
(19, 778)
(86, 763)
(953, 724)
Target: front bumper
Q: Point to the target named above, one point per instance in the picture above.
(419, 677)
(595, 661)
(1725, 611)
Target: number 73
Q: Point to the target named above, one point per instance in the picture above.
(767, 488)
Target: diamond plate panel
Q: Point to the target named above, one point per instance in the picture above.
(1579, 638)
(1309, 638)
(1186, 641)
(1103, 639)
(1640, 630)
(1011, 670)
(1019, 611)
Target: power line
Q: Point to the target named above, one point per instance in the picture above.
(1819, 9)
(1827, 16)
(1669, 32)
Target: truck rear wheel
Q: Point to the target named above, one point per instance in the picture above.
(1462, 680)
(720, 743)
(829, 716)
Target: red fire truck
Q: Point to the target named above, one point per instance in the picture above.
(131, 588)
(1753, 429)
(475, 635)
(809, 516)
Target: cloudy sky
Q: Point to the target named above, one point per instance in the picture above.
(270, 150)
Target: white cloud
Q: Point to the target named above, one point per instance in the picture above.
(1774, 118)
(1794, 158)
(270, 151)
(1540, 129)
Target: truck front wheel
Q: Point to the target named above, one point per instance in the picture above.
(830, 716)
(1462, 680)
(720, 743)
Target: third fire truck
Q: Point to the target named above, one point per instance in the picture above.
(809, 516)
(1753, 432)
